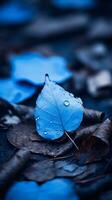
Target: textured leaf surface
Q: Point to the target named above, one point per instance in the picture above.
(66, 167)
(94, 145)
(6, 149)
(24, 135)
(57, 111)
(40, 171)
(13, 92)
(32, 67)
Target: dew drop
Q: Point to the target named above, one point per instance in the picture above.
(66, 103)
(37, 118)
(51, 122)
(79, 100)
(71, 94)
(45, 132)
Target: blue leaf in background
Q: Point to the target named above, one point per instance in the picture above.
(57, 111)
(58, 189)
(23, 191)
(74, 3)
(14, 14)
(15, 93)
(32, 67)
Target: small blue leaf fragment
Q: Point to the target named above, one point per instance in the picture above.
(32, 67)
(58, 189)
(14, 92)
(74, 3)
(23, 191)
(57, 111)
(14, 14)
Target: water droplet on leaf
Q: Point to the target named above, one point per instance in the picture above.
(45, 132)
(79, 100)
(71, 94)
(37, 118)
(66, 103)
(54, 118)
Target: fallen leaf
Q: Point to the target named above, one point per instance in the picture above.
(57, 188)
(32, 67)
(104, 131)
(48, 169)
(20, 190)
(14, 92)
(85, 131)
(40, 171)
(94, 146)
(15, 14)
(57, 111)
(23, 135)
(92, 116)
(69, 168)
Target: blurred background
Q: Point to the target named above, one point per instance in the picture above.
(71, 40)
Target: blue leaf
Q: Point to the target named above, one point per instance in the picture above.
(15, 93)
(58, 189)
(32, 67)
(23, 191)
(57, 111)
(13, 13)
(74, 3)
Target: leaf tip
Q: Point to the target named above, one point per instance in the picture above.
(47, 78)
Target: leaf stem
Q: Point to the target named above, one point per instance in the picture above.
(72, 140)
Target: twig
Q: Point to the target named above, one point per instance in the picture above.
(72, 140)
